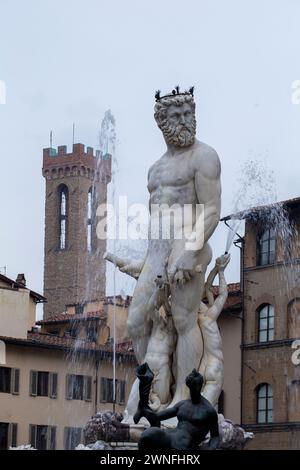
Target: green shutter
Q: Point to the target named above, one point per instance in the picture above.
(15, 381)
(121, 392)
(53, 376)
(12, 435)
(66, 438)
(87, 388)
(32, 435)
(103, 390)
(51, 437)
(33, 383)
(69, 386)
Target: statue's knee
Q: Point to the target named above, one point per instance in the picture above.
(180, 322)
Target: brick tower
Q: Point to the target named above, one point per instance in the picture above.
(74, 269)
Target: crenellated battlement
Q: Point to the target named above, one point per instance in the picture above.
(58, 163)
(78, 149)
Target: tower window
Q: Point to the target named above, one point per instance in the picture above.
(266, 248)
(264, 396)
(89, 220)
(266, 323)
(63, 216)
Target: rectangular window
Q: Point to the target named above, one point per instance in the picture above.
(73, 437)
(92, 332)
(5, 379)
(9, 380)
(3, 436)
(78, 387)
(106, 390)
(42, 437)
(8, 435)
(43, 384)
(266, 248)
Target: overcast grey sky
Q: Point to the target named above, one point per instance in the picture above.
(66, 61)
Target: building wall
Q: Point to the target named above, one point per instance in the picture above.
(275, 440)
(121, 313)
(231, 333)
(24, 409)
(17, 312)
(270, 362)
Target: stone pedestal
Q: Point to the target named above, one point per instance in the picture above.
(106, 426)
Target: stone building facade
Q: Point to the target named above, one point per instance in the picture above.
(76, 184)
(54, 375)
(270, 281)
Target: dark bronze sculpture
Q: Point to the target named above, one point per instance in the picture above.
(196, 417)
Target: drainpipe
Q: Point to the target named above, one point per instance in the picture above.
(240, 243)
(242, 252)
(96, 385)
(241, 240)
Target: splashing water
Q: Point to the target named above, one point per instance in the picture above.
(256, 188)
(107, 135)
(107, 147)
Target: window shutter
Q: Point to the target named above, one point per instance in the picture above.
(103, 393)
(33, 383)
(32, 435)
(69, 386)
(51, 437)
(110, 390)
(121, 391)
(66, 438)
(118, 390)
(12, 435)
(53, 385)
(15, 381)
(87, 388)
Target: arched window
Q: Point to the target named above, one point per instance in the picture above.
(265, 323)
(293, 400)
(264, 396)
(89, 220)
(63, 216)
(266, 248)
(294, 318)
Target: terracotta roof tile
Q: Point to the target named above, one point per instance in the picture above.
(48, 340)
(248, 212)
(66, 317)
(234, 298)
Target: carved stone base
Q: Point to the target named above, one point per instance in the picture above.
(106, 426)
(232, 436)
